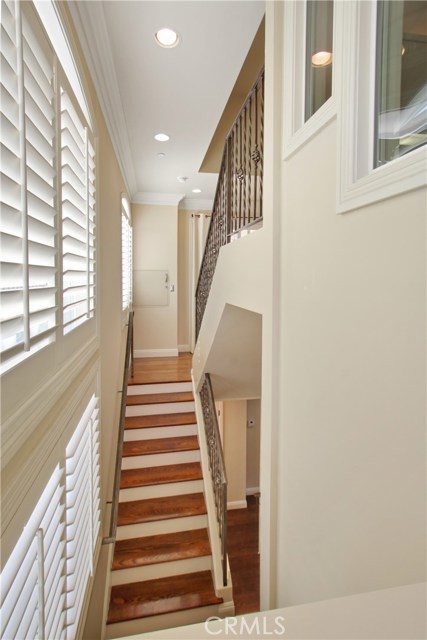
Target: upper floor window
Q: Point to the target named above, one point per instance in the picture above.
(383, 106)
(401, 101)
(47, 277)
(319, 54)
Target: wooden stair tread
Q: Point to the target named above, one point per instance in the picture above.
(160, 398)
(162, 595)
(166, 547)
(160, 420)
(166, 508)
(160, 475)
(159, 445)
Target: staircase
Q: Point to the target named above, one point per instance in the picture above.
(161, 571)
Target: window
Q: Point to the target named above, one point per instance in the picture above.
(383, 122)
(126, 254)
(47, 241)
(319, 55)
(44, 581)
(310, 35)
(401, 101)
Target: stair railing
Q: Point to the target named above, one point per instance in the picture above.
(216, 466)
(238, 197)
(128, 365)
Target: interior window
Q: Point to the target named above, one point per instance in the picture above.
(319, 54)
(401, 100)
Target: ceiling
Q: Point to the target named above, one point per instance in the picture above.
(145, 89)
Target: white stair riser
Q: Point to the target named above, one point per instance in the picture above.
(163, 387)
(159, 409)
(161, 526)
(159, 459)
(165, 621)
(161, 570)
(161, 490)
(150, 433)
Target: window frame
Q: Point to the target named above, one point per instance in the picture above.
(63, 346)
(297, 131)
(360, 184)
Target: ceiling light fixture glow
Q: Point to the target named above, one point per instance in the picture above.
(167, 38)
(321, 59)
(161, 137)
(196, 190)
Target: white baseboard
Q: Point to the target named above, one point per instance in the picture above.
(237, 504)
(155, 353)
(250, 491)
(183, 348)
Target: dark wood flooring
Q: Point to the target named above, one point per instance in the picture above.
(243, 556)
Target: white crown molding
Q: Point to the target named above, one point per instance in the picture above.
(89, 20)
(149, 197)
(196, 204)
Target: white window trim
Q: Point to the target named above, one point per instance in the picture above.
(296, 131)
(125, 212)
(356, 121)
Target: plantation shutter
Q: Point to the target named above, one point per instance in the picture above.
(126, 257)
(33, 579)
(78, 216)
(11, 221)
(41, 174)
(82, 510)
(28, 245)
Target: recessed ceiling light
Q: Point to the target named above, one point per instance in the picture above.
(197, 190)
(321, 58)
(161, 137)
(167, 38)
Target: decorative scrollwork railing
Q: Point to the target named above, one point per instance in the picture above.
(216, 465)
(238, 197)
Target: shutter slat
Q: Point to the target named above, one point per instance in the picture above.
(8, 47)
(8, 79)
(33, 67)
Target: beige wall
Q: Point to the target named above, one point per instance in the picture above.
(351, 376)
(253, 446)
(234, 445)
(155, 247)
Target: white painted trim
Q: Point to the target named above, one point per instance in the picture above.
(237, 504)
(359, 185)
(184, 348)
(19, 425)
(250, 491)
(89, 20)
(148, 197)
(155, 353)
(296, 131)
(196, 204)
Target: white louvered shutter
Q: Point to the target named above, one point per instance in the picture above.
(40, 170)
(33, 579)
(11, 220)
(82, 510)
(28, 218)
(126, 256)
(78, 217)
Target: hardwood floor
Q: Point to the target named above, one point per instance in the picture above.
(153, 370)
(244, 557)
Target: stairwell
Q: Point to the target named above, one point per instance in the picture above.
(161, 570)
